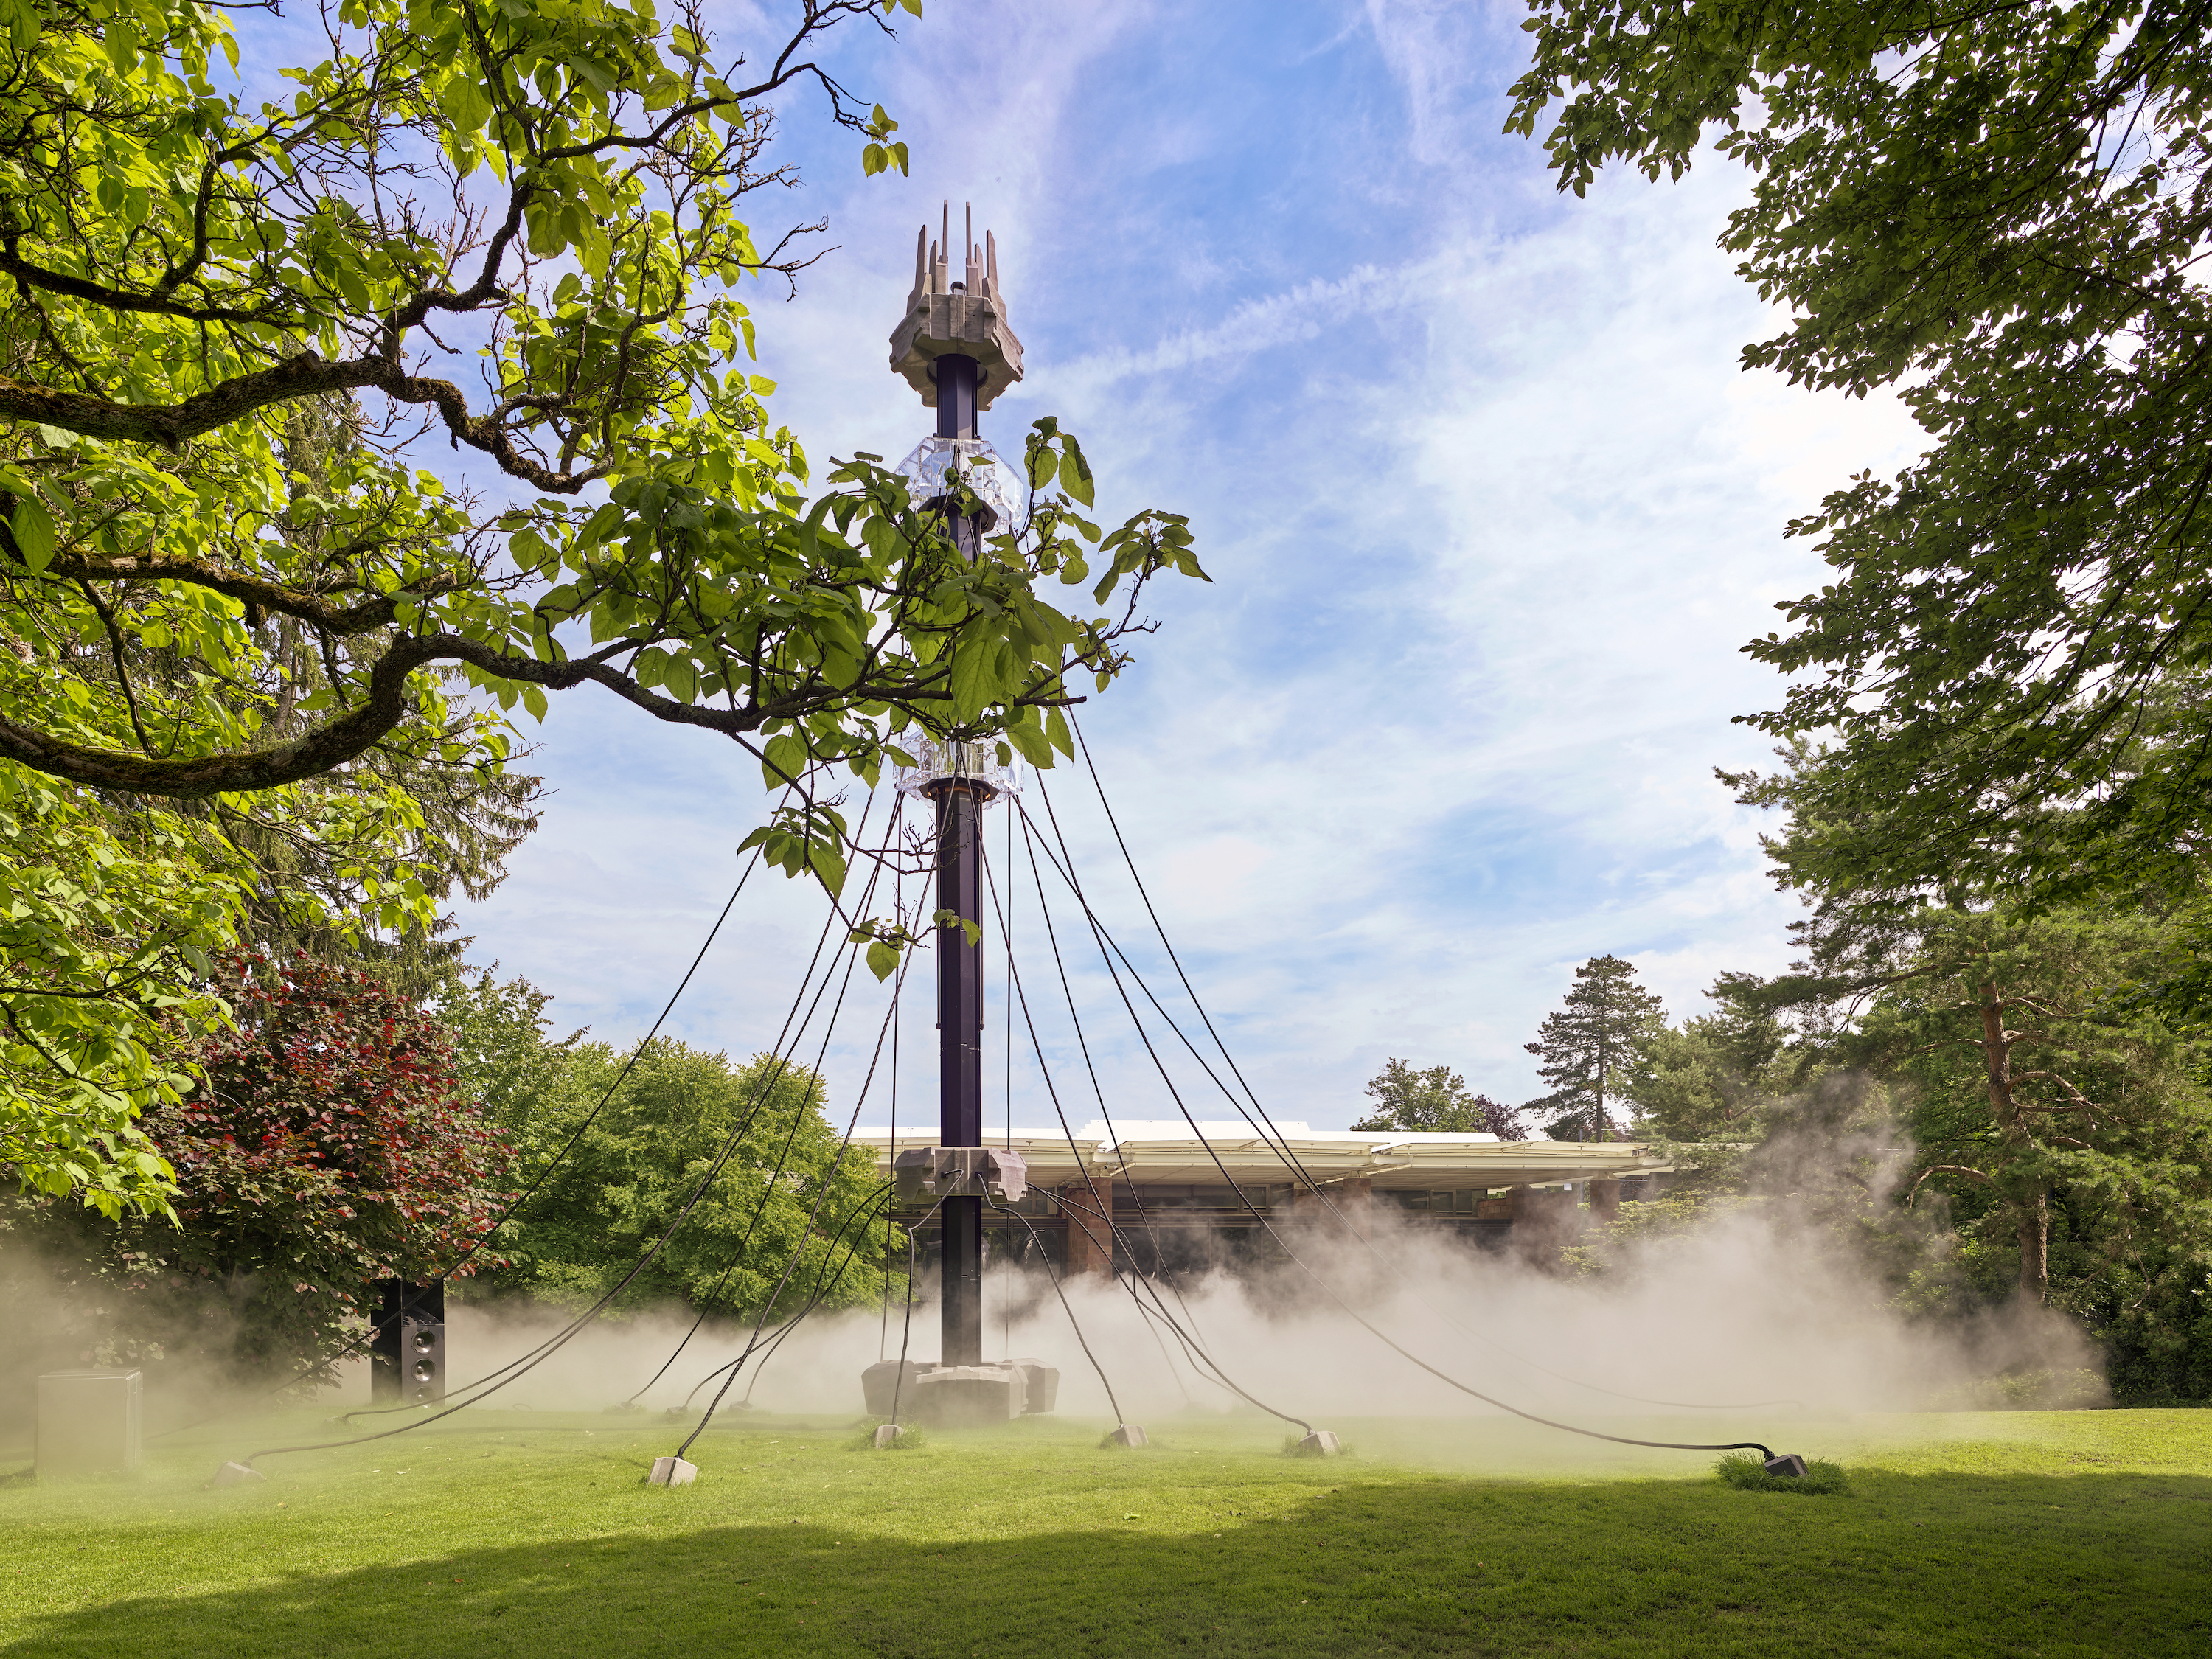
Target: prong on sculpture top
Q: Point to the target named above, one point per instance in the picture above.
(957, 310)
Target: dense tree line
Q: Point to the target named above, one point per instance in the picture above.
(1995, 746)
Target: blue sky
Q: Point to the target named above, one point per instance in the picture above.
(1488, 507)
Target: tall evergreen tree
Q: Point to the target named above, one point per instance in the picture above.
(1717, 1075)
(1599, 1033)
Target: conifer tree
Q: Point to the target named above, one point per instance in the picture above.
(1597, 1035)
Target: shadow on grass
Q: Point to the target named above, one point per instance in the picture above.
(2079, 1565)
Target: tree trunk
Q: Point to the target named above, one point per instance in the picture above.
(2031, 1208)
(2035, 1244)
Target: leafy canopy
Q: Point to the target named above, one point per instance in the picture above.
(644, 1155)
(253, 348)
(327, 1142)
(2001, 213)
(1435, 1099)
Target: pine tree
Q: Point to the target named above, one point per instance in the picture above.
(1597, 1036)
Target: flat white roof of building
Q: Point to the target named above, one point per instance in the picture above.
(1232, 1151)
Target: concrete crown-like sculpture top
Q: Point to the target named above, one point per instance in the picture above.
(947, 317)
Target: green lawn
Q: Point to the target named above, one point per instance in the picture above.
(2032, 1534)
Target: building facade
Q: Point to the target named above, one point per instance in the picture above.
(1167, 1199)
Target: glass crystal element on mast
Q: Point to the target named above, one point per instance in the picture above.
(935, 460)
(943, 762)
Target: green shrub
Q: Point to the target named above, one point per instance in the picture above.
(1748, 1473)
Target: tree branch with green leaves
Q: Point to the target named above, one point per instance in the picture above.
(252, 586)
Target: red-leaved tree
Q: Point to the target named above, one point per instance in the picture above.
(328, 1145)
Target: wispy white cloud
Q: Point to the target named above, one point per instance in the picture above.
(1488, 507)
(1264, 323)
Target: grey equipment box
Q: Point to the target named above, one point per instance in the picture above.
(90, 1423)
(881, 1383)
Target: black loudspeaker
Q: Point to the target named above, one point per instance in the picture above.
(407, 1354)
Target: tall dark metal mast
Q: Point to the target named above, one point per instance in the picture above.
(956, 349)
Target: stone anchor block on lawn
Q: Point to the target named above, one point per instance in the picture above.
(672, 1471)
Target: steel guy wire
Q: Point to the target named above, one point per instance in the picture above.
(1075, 1020)
(1097, 1090)
(899, 984)
(872, 1210)
(1330, 1291)
(906, 1331)
(1201, 1361)
(1272, 1136)
(898, 904)
(1081, 1341)
(798, 1118)
(876, 1197)
(547, 1350)
(1104, 1210)
(1006, 929)
(754, 1106)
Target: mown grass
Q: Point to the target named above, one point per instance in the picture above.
(2054, 1535)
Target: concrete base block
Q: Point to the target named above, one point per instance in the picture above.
(989, 1393)
(1789, 1464)
(672, 1471)
(1040, 1386)
(1128, 1434)
(1320, 1444)
(881, 1384)
(966, 1397)
(234, 1475)
(887, 1436)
